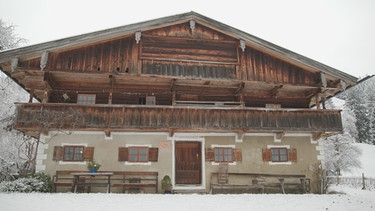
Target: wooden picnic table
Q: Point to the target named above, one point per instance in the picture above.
(92, 183)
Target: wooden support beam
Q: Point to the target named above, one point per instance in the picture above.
(49, 81)
(275, 90)
(45, 97)
(317, 101)
(317, 135)
(31, 96)
(43, 60)
(192, 25)
(171, 132)
(112, 81)
(14, 64)
(107, 133)
(242, 45)
(138, 36)
(172, 85)
(241, 86)
(280, 135)
(110, 98)
(323, 79)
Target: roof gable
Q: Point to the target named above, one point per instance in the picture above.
(223, 32)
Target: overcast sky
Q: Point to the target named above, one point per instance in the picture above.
(338, 33)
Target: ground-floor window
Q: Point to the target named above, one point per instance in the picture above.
(279, 154)
(73, 153)
(223, 154)
(138, 154)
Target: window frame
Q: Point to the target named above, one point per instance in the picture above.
(223, 155)
(279, 154)
(150, 100)
(138, 154)
(74, 153)
(86, 100)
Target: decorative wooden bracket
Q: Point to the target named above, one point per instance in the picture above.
(275, 90)
(342, 85)
(43, 60)
(112, 81)
(14, 64)
(323, 79)
(171, 133)
(240, 136)
(138, 36)
(242, 45)
(317, 135)
(192, 25)
(241, 86)
(107, 133)
(279, 135)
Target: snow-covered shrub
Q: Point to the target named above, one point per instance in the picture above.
(7, 168)
(46, 179)
(38, 183)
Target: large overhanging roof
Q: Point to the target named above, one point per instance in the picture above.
(35, 51)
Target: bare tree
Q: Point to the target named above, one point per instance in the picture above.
(8, 39)
(14, 146)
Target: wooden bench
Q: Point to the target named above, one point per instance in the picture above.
(135, 182)
(63, 179)
(260, 182)
(128, 181)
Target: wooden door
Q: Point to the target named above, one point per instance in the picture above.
(188, 158)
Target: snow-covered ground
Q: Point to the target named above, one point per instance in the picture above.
(352, 200)
(347, 199)
(367, 160)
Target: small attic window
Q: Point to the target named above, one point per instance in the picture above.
(86, 99)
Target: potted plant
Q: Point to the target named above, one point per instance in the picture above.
(166, 184)
(93, 166)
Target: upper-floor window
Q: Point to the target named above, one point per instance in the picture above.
(279, 154)
(73, 153)
(148, 100)
(138, 154)
(86, 99)
(223, 154)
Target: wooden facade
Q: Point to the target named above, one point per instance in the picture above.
(187, 75)
(175, 119)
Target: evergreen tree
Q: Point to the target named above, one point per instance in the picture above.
(358, 101)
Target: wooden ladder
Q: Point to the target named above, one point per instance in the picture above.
(222, 177)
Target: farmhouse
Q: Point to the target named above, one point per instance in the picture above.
(213, 107)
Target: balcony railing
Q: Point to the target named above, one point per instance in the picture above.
(37, 118)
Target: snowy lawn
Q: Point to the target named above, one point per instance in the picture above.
(353, 199)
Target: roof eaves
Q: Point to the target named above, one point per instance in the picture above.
(36, 50)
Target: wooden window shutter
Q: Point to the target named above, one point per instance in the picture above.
(266, 155)
(153, 154)
(123, 153)
(292, 155)
(237, 154)
(210, 154)
(88, 154)
(58, 153)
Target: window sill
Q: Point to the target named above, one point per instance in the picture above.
(72, 162)
(127, 163)
(218, 163)
(280, 163)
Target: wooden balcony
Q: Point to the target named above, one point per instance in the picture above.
(36, 118)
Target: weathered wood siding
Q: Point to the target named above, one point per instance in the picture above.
(58, 116)
(178, 51)
(103, 57)
(262, 67)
